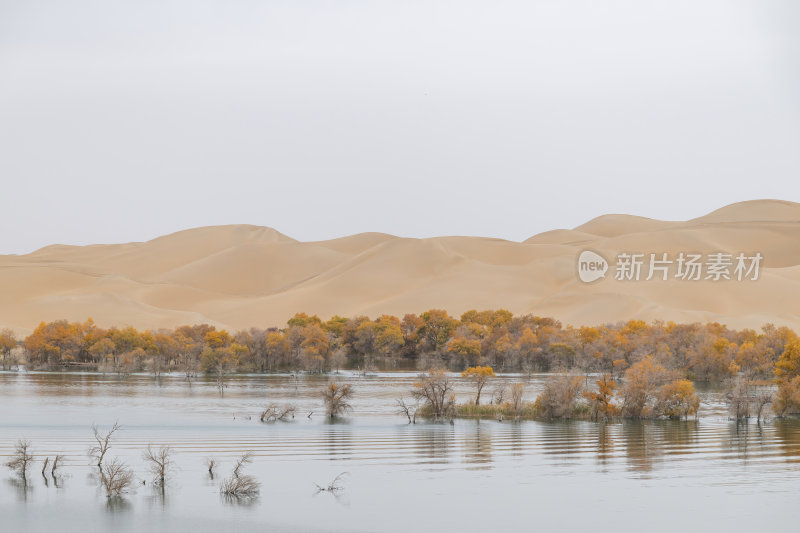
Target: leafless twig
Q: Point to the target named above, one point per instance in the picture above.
(274, 413)
(56, 461)
(409, 410)
(333, 486)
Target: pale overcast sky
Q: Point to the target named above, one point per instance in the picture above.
(125, 120)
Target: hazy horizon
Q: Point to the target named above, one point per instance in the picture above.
(121, 122)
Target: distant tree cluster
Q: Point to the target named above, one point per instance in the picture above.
(433, 339)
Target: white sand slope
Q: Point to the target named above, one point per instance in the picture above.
(241, 276)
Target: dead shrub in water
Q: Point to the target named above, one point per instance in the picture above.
(21, 459)
(761, 399)
(499, 395)
(336, 399)
(56, 462)
(273, 413)
(559, 396)
(115, 478)
(160, 463)
(333, 486)
(745, 396)
(409, 410)
(517, 392)
(435, 390)
(241, 485)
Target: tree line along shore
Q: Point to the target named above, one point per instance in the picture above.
(664, 357)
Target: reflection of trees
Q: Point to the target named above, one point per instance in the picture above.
(642, 448)
(434, 442)
(738, 439)
(117, 504)
(787, 435)
(478, 445)
(338, 438)
(647, 442)
(69, 384)
(515, 435)
(605, 444)
(565, 439)
(21, 487)
(678, 436)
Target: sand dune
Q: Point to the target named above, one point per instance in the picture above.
(240, 276)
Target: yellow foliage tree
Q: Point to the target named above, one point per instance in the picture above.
(787, 372)
(677, 399)
(478, 375)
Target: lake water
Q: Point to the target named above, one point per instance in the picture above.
(710, 474)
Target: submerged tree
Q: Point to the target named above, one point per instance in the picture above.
(239, 484)
(273, 413)
(600, 401)
(787, 373)
(211, 463)
(56, 463)
(479, 376)
(677, 399)
(435, 390)
(21, 459)
(787, 399)
(739, 398)
(160, 463)
(558, 398)
(333, 486)
(98, 452)
(642, 382)
(410, 411)
(115, 477)
(517, 392)
(337, 399)
(761, 399)
(8, 342)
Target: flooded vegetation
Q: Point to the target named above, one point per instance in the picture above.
(185, 458)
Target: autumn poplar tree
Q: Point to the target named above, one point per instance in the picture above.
(479, 376)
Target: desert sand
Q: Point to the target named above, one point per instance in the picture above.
(240, 276)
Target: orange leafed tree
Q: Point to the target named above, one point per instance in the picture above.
(600, 401)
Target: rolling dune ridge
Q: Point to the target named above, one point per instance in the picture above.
(240, 276)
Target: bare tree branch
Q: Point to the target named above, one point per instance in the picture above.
(160, 463)
(334, 485)
(115, 477)
(99, 451)
(21, 459)
(273, 413)
(240, 485)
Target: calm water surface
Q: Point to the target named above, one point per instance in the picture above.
(710, 474)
